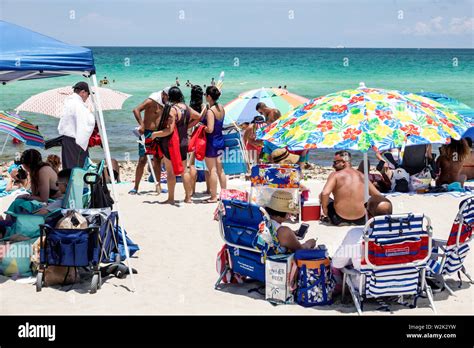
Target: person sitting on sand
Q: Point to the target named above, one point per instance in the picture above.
(347, 187)
(54, 161)
(271, 115)
(18, 178)
(451, 161)
(42, 177)
(349, 252)
(280, 207)
(252, 145)
(63, 180)
(116, 170)
(468, 165)
(153, 110)
(381, 181)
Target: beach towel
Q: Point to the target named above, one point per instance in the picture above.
(175, 153)
(197, 143)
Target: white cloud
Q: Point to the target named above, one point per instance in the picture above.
(101, 21)
(435, 26)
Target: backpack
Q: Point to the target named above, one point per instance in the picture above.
(315, 280)
(400, 180)
(100, 194)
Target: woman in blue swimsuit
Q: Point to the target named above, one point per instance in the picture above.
(214, 121)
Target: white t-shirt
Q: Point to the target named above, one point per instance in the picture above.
(76, 121)
(349, 252)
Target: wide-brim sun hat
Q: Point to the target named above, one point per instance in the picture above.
(156, 96)
(283, 201)
(283, 156)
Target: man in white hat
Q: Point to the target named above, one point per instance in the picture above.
(153, 108)
(76, 126)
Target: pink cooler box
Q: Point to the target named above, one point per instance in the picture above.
(311, 210)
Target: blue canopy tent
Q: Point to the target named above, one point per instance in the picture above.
(26, 55)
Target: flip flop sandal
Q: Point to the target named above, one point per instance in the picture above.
(133, 192)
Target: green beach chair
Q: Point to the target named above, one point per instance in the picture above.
(75, 197)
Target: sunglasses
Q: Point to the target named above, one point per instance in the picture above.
(338, 161)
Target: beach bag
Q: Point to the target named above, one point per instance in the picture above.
(72, 220)
(60, 275)
(422, 180)
(315, 280)
(132, 247)
(400, 180)
(230, 194)
(95, 139)
(15, 259)
(280, 278)
(221, 262)
(197, 143)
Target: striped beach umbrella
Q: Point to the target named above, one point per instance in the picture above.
(20, 129)
(242, 109)
(52, 102)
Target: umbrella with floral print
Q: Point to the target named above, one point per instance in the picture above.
(365, 118)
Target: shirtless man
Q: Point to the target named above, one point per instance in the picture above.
(271, 115)
(347, 187)
(153, 107)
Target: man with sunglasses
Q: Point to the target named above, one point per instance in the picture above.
(76, 126)
(346, 185)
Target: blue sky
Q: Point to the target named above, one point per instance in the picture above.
(249, 23)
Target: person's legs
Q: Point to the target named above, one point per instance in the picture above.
(139, 173)
(171, 180)
(187, 183)
(332, 215)
(221, 174)
(211, 166)
(157, 170)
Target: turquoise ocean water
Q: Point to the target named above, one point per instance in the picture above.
(310, 72)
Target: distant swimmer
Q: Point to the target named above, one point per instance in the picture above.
(104, 82)
(189, 84)
(213, 82)
(177, 82)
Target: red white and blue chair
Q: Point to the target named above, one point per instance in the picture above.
(448, 256)
(395, 252)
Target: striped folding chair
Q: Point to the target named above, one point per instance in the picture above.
(447, 256)
(395, 251)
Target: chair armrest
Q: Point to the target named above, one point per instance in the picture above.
(438, 242)
(350, 271)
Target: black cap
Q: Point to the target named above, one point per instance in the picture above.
(258, 119)
(83, 86)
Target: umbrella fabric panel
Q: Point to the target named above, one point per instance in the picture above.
(20, 129)
(363, 118)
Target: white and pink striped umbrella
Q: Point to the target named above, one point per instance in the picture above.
(52, 102)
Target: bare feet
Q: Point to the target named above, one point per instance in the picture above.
(158, 188)
(170, 201)
(188, 200)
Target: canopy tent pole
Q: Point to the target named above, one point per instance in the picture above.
(105, 142)
(366, 182)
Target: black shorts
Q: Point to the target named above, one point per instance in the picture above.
(337, 220)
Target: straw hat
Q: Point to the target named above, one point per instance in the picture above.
(282, 201)
(283, 156)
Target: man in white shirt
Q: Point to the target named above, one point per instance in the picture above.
(76, 125)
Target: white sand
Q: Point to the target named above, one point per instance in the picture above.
(176, 266)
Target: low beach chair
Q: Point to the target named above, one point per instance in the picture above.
(235, 160)
(240, 223)
(267, 178)
(395, 252)
(447, 256)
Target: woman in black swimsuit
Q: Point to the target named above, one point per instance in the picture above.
(176, 114)
(43, 178)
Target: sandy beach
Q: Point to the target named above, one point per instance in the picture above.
(176, 264)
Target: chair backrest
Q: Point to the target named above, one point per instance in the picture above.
(395, 251)
(394, 241)
(457, 245)
(73, 199)
(234, 160)
(267, 178)
(414, 158)
(241, 223)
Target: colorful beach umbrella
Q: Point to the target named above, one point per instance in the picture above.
(359, 119)
(20, 129)
(242, 109)
(52, 102)
(464, 110)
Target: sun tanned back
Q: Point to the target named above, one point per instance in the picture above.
(349, 194)
(152, 116)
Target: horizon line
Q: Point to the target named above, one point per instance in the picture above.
(291, 47)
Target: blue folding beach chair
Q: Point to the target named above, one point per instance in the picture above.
(395, 252)
(448, 256)
(240, 223)
(234, 160)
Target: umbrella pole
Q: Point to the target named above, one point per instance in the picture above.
(105, 143)
(4, 144)
(366, 182)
